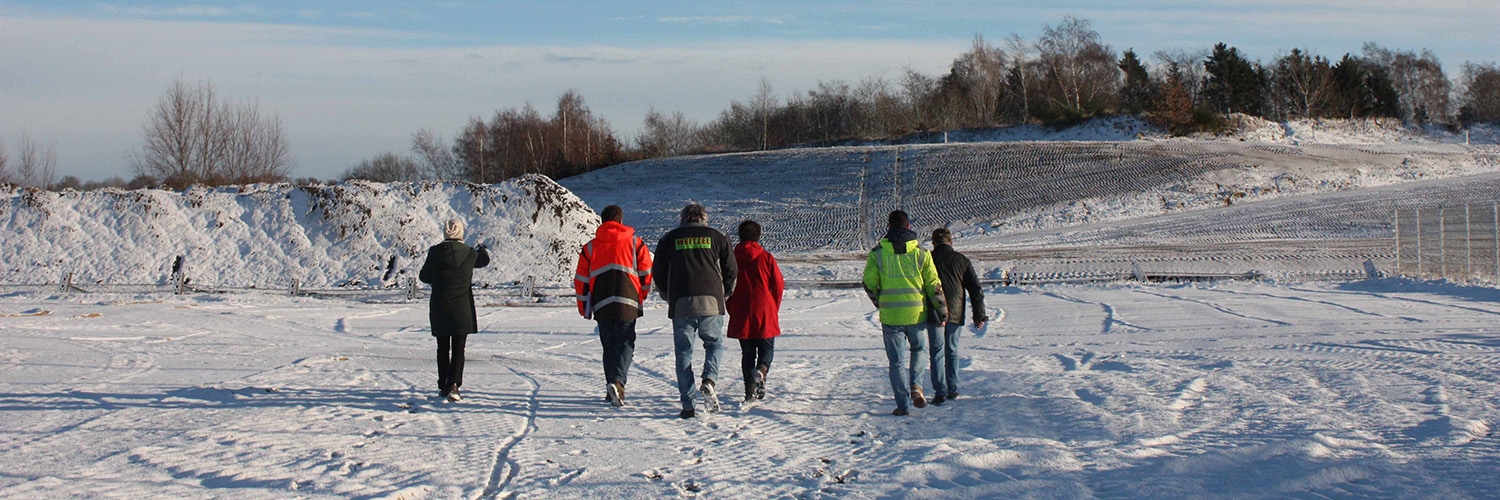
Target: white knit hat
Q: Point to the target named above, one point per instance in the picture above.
(454, 229)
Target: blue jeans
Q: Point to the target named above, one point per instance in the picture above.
(944, 357)
(685, 332)
(906, 367)
(618, 338)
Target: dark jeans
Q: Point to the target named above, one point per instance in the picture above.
(450, 359)
(618, 338)
(754, 353)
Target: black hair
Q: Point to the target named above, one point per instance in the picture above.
(749, 231)
(612, 213)
(899, 220)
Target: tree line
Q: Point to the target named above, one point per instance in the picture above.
(1067, 74)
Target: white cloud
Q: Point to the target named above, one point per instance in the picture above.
(181, 11)
(720, 20)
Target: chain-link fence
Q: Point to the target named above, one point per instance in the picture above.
(1455, 242)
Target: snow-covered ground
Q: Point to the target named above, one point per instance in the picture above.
(1380, 389)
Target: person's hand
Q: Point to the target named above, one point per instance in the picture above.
(980, 325)
(482, 246)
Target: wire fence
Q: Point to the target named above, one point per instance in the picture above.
(1454, 242)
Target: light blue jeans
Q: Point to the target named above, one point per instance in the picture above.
(944, 342)
(685, 332)
(906, 348)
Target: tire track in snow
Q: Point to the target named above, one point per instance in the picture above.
(1213, 306)
(505, 468)
(1110, 318)
(1353, 309)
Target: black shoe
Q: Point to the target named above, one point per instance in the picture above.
(952, 396)
(687, 414)
(916, 397)
(900, 412)
(938, 400)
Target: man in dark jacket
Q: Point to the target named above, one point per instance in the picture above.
(450, 270)
(958, 278)
(695, 272)
(613, 278)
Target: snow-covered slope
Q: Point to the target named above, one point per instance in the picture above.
(836, 199)
(270, 234)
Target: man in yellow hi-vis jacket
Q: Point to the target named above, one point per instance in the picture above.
(903, 282)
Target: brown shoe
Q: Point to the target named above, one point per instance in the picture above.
(916, 397)
(900, 412)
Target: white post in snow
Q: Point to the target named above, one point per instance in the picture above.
(296, 287)
(67, 282)
(411, 289)
(1495, 231)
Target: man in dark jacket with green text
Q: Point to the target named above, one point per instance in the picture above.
(958, 278)
(450, 270)
(694, 272)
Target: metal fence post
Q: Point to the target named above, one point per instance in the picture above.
(1396, 221)
(1442, 242)
(1418, 213)
(1495, 231)
(1468, 246)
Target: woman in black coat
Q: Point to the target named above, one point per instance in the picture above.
(450, 270)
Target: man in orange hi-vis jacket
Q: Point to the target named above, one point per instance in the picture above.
(613, 278)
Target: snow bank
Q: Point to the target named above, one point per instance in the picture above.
(266, 235)
(1365, 131)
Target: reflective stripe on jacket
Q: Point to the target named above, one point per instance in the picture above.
(904, 285)
(613, 275)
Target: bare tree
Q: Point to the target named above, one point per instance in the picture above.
(880, 108)
(37, 165)
(434, 154)
(1080, 68)
(5, 177)
(668, 135)
(1303, 85)
(916, 88)
(1020, 52)
(981, 73)
(1189, 67)
(763, 104)
(1479, 94)
(1420, 83)
(386, 167)
(193, 137)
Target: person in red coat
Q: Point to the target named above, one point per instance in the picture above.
(753, 309)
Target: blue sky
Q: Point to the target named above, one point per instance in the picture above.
(350, 79)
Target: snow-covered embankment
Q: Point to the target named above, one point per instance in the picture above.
(267, 235)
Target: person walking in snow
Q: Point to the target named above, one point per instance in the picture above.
(696, 271)
(450, 270)
(902, 281)
(958, 279)
(754, 309)
(613, 278)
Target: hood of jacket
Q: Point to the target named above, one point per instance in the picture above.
(614, 231)
(449, 254)
(900, 239)
(749, 251)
